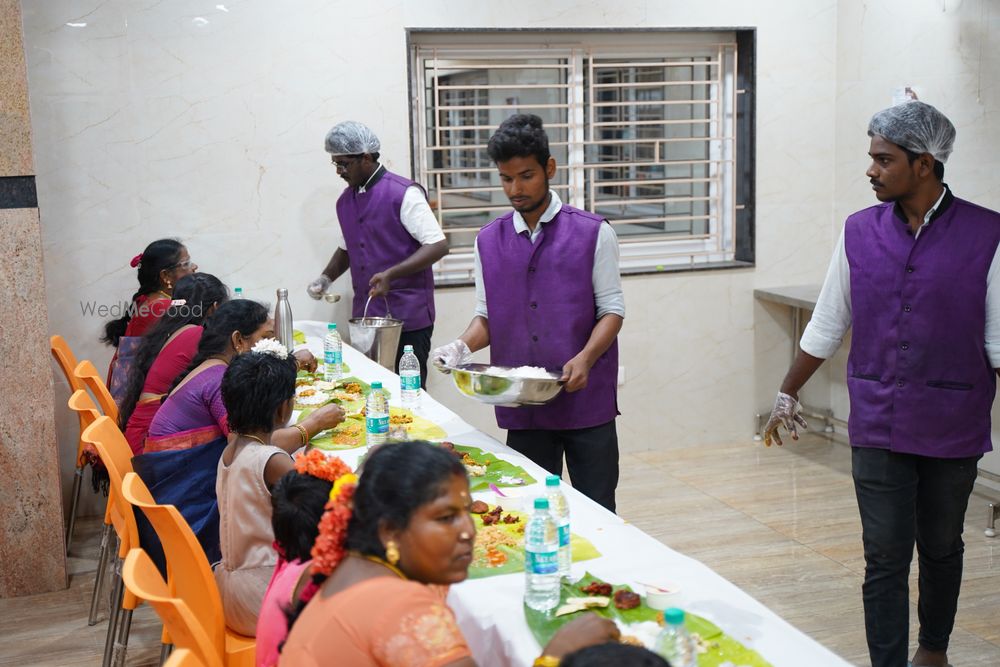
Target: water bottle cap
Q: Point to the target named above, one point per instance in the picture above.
(552, 480)
(239, 290)
(332, 326)
(674, 616)
(541, 503)
(407, 348)
(282, 293)
(376, 385)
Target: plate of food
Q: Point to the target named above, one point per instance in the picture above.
(485, 468)
(639, 623)
(312, 391)
(499, 547)
(350, 433)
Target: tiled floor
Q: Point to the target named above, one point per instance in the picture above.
(781, 523)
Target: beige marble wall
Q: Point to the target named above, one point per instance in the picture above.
(31, 534)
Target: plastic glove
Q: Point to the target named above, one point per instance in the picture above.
(785, 413)
(453, 354)
(318, 286)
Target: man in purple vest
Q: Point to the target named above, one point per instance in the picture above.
(390, 240)
(549, 295)
(915, 277)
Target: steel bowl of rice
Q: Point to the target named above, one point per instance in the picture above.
(508, 387)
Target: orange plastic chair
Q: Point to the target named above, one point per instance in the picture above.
(189, 573)
(144, 581)
(67, 362)
(83, 405)
(86, 372)
(105, 436)
(183, 658)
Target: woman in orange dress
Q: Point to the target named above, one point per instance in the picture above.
(160, 266)
(166, 351)
(387, 550)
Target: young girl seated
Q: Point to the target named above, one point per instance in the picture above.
(297, 503)
(258, 391)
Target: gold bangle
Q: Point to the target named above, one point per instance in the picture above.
(546, 661)
(302, 432)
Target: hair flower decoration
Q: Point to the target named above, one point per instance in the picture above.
(272, 347)
(136, 261)
(316, 463)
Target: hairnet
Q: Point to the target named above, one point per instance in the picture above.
(351, 138)
(917, 127)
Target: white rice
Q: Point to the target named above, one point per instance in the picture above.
(530, 372)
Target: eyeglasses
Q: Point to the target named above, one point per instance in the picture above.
(182, 265)
(341, 162)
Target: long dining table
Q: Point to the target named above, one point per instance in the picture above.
(489, 610)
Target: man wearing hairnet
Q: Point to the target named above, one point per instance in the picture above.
(915, 276)
(390, 240)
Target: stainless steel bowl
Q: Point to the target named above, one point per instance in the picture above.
(473, 381)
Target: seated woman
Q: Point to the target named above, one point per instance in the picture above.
(166, 351)
(385, 551)
(160, 266)
(297, 503)
(258, 390)
(189, 431)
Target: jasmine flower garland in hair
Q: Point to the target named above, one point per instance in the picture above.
(272, 347)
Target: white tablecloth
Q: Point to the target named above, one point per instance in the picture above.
(489, 610)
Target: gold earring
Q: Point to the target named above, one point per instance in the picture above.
(392, 553)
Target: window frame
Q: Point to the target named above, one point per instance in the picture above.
(457, 271)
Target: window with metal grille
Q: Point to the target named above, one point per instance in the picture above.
(651, 129)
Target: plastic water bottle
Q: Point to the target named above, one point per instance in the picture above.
(541, 559)
(376, 415)
(238, 293)
(333, 354)
(560, 513)
(674, 643)
(409, 377)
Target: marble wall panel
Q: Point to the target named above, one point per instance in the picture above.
(31, 521)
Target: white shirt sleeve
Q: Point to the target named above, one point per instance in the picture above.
(480, 290)
(993, 311)
(832, 316)
(607, 278)
(418, 218)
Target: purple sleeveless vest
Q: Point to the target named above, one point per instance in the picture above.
(540, 300)
(918, 375)
(377, 240)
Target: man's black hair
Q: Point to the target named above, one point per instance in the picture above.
(938, 165)
(520, 135)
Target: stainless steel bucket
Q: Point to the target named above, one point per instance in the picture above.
(376, 337)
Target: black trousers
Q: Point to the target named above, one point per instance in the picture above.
(591, 456)
(420, 339)
(905, 499)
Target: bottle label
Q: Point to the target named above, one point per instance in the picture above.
(377, 424)
(542, 562)
(410, 382)
(332, 357)
(564, 534)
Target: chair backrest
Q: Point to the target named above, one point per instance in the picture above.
(182, 657)
(144, 581)
(66, 360)
(86, 372)
(188, 569)
(116, 456)
(83, 405)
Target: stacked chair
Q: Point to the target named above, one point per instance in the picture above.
(67, 363)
